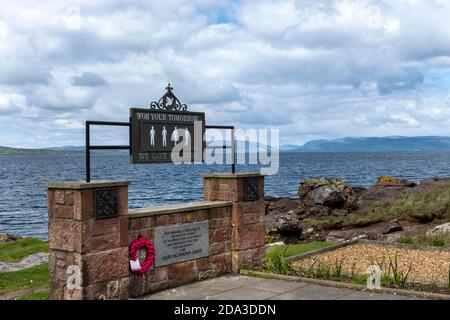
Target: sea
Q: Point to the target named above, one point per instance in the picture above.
(23, 179)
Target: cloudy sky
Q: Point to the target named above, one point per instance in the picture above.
(313, 69)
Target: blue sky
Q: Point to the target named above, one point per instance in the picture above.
(313, 69)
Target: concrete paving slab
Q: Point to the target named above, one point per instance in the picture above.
(238, 287)
(182, 293)
(244, 293)
(279, 286)
(227, 282)
(313, 292)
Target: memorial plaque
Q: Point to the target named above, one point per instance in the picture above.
(181, 242)
(155, 133)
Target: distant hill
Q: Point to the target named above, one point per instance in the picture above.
(66, 150)
(6, 151)
(361, 144)
(348, 144)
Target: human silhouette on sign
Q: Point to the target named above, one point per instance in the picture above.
(164, 137)
(152, 137)
(175, 137)
(187, 137)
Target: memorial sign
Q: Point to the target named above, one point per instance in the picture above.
(165, 131)
(181, 242)
(155, 134)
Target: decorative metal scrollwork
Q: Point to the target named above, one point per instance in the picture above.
(251, 189)
(106, 203)
(168, 102)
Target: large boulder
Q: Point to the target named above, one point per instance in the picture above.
(288, 224)
(328, 192)
(384, 189)
(440, 229)
(8, 237)
(386, 181)
(392, 226)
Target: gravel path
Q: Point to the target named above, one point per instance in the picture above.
(427, 266)
(27, 262)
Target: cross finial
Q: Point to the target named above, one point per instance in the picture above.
(169, 88)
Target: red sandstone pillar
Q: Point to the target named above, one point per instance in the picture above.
(88, 240)
(246, 191)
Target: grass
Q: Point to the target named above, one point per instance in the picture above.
(42, 295)
(391, 275)
(294, 249)
(424, 206)
(275, 258)
(437, 240)
(407, 239)
(34, 277)
(17, 250)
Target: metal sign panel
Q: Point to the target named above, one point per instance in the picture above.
(181, 242)
(156, 133)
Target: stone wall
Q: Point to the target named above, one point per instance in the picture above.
(142, 222)
(246, 192)
(82, 247)
(90, 229)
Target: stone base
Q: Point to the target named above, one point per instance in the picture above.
(251, 258)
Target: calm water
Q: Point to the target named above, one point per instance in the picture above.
(23, 200)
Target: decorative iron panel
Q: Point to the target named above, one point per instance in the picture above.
(168, 102)
(106, 203)
(251, 189)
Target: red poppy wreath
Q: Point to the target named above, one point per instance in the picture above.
(141, 243)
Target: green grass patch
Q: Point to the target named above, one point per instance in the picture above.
(437, 240)
(42, 295)
(275, 262)
(294, 249)
(17, 250)
(423, 206)
(34, 277)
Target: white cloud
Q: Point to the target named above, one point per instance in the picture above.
(314, 69)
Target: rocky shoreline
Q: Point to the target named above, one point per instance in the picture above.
(333, 200)
(9, 237)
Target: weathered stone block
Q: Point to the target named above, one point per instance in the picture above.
(98, 227)
(69, 198)
(202, 264)
(181, 273)
(123, 201)
(160, 220)
(242, 216)
(60, 197)
(84, 204)
(219, 247)
(218, 223)
(251, 258)
(137, 285)
(64, 234)
(106, 265)
(220, 212)
(51, 203)
(123, 233)
(220, 264)
(248, 236)
(106, 241)
(112, 226)
(218, 235)
(63, 211)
